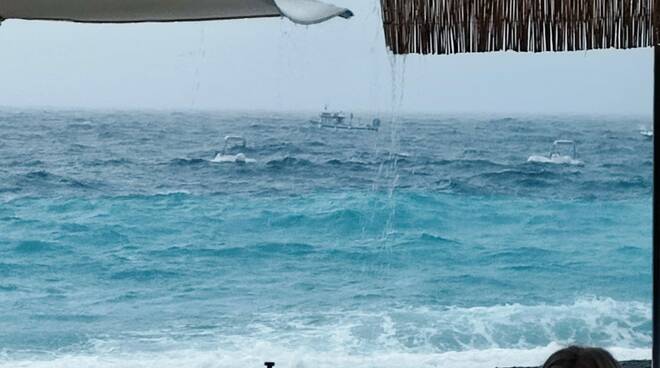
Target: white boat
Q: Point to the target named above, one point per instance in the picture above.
(232, 151)
(563, 152)
(338, 120)
(648, 133)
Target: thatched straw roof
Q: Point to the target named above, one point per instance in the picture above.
(457, 26)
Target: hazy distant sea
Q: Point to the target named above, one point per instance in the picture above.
(432, 243)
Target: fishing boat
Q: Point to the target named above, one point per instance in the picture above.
(232, 152)
(648, 133)
(563, 152)
(338, 120)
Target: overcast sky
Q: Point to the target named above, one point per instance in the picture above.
(271, 64)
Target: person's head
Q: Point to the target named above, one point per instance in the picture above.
(581, 357)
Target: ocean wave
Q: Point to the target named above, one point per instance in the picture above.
(80, 125)
(467, 163)
(143, 275)
(78, 148)
(520, 254)
(8, 287)
(513, 174)
(35, 246)
(178, 193)
(537, 183)
(436, 238)
(338, 220)
(605, 185)
(43, 179)
(292, 249)
(188, 162)
(41, 174)
(254, 357)
(85, 318)
(488, 336)
(26, 162)
(10, 189)
(185, 251)
(289, 148)
(110, 162)
(262, 249)
(396, 159)
(589, 320)
(351, 164)
(10, 269)
(630, 250)
(288, 162)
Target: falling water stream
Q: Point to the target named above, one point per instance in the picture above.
(391, 172)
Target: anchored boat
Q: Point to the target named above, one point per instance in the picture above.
(338, 120)
(232, 152)
(563, 152)
(648, 133)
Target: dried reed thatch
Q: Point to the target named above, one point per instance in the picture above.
(457, 26)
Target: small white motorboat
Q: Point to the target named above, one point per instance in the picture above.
(564, 152)
(648, 133)
(232, 151)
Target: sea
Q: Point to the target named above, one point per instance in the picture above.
(432, 242)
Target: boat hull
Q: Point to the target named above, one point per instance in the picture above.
(555, 160)
(318, 124)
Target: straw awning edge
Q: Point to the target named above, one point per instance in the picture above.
(462, 26)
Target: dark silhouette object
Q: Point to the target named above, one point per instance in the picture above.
(581, 357)
(269, 364)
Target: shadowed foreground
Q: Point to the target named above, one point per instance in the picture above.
(628, 364)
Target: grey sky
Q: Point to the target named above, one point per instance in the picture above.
(271, 64)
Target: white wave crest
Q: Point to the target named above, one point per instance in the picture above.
(254, 356)
(492, 336)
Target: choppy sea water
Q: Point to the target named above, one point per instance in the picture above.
(432, 243)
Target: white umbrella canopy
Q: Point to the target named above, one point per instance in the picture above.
(127, 11)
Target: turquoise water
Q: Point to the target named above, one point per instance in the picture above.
(430, 243)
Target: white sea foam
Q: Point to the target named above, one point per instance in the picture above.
(255, 355)
(495, 336)
(238, 158)
(593, 321)
(172, 192)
